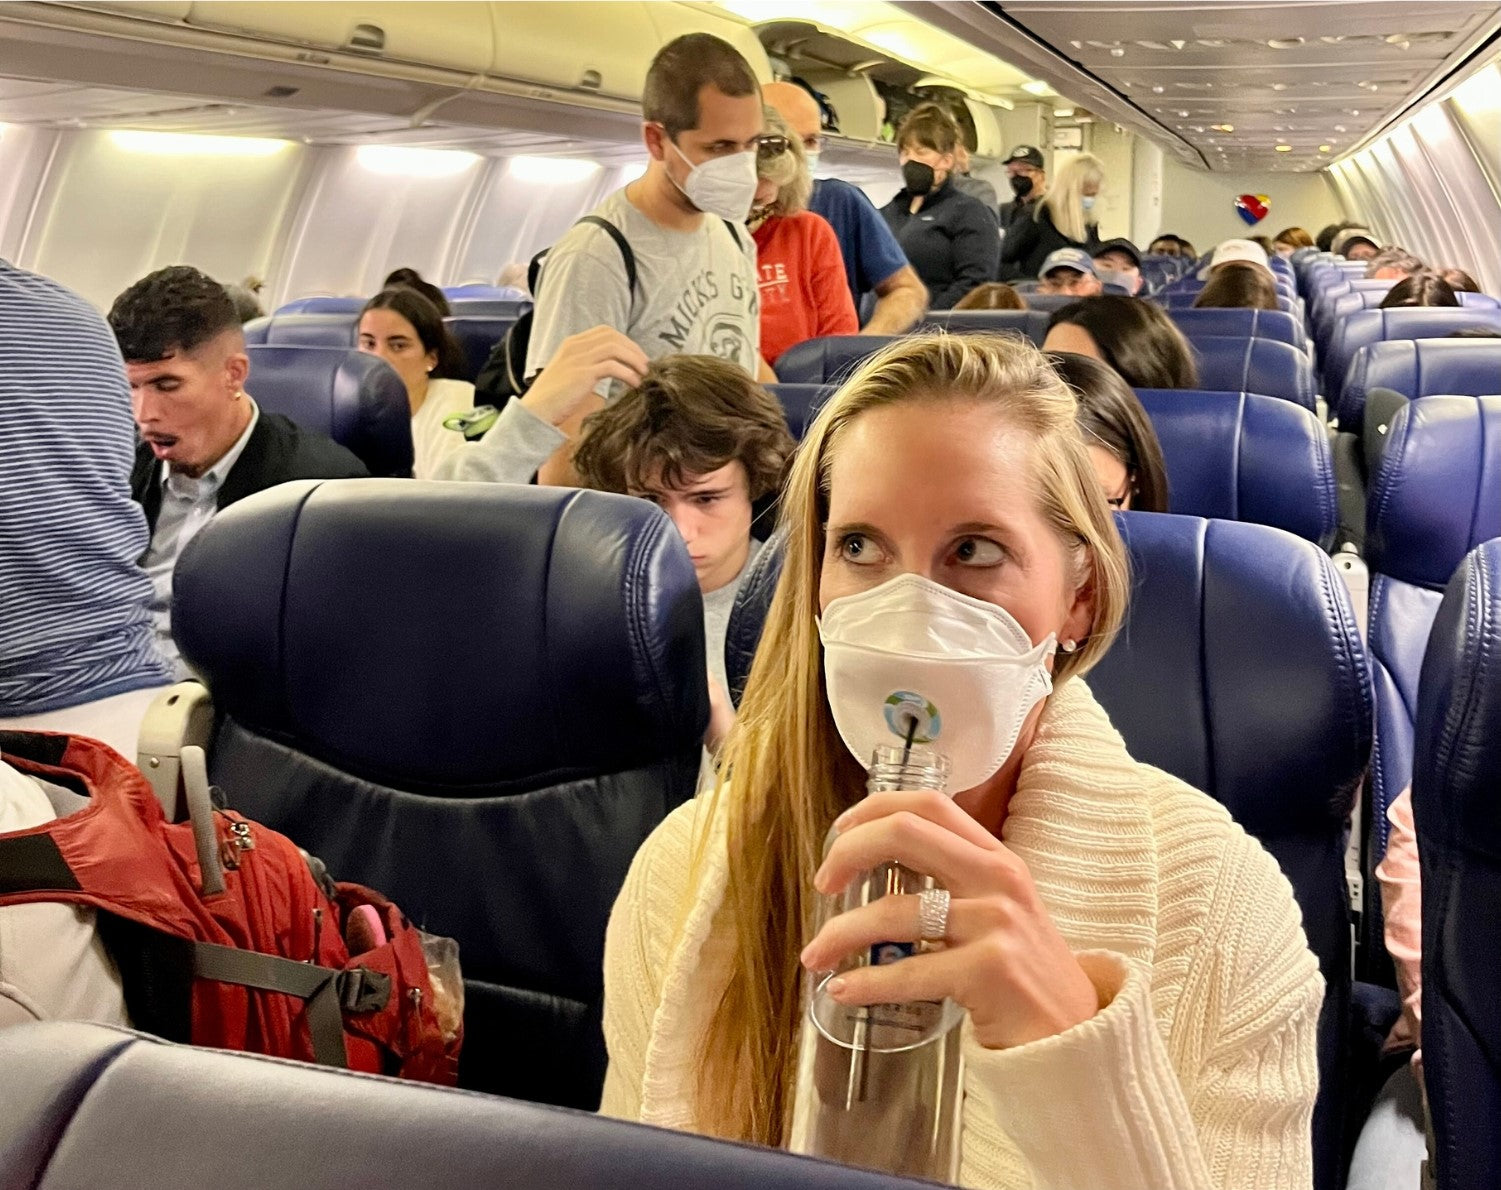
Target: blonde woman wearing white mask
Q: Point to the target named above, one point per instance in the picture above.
(1066, 218)
(1142, 1005)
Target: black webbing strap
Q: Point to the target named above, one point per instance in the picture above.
(317, 985)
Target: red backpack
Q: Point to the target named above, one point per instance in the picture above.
(262, 965)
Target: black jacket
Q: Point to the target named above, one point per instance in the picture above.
(952, 241)
(1030, 241)
(278, 450)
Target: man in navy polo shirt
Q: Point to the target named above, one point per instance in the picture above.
(873, 260)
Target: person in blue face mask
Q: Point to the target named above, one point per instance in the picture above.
(1065, 218)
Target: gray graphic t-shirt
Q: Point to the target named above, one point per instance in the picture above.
(695, 290)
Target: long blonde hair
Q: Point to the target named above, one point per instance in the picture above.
(1064, 202)
(787, 775)
(788, 170)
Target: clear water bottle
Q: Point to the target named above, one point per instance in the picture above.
(881, 1086)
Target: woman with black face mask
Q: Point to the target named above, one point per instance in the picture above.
(950, 238)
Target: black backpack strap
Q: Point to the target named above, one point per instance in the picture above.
(734, 235)
(628, 258)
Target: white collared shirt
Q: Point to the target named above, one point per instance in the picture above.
(187, 505)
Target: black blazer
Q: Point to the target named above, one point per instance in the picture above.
(1030, 241)
(278, 450)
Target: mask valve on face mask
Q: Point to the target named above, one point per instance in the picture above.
(880, 1086)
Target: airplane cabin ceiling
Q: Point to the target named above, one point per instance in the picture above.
(1303, 75)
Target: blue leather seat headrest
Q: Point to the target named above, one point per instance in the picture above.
(1235, 365)
(1419, 368)
(477, 335)
(1244, 457)
(1240, 323)
(304, 330)
(1437, 492)
(829, 360)
(1364, 327)
(310, 611)
(801, 403)
(356, 399)
(1033, 323)
(323, 305)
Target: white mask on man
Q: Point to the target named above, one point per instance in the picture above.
(723, 186)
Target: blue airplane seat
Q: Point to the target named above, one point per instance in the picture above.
(323, 305)
(1169, 300)
(494, 777)
(1419, 368)
(828, 360)
(511, 308)
(1240, 323)
(1457, 815)
(1435, 496)
(1245, 457)
(1364, 327)
(303, 330)
(356, 399)
(1030, 322)
(1478, 301)
(480, 292)
(477, 335)
(76, 1097)
(1234, 365)
(801, 403)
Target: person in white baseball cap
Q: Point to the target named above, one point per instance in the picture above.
(1236, 251)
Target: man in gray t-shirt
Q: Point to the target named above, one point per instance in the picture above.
(684, 220)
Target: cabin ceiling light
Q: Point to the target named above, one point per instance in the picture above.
(1284, 148)
(551, 170)
(183, 144)
(403, 161)
(1038, 87)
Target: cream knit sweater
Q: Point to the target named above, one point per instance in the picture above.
(1200, 1070)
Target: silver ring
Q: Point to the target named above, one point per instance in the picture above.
(933, 914)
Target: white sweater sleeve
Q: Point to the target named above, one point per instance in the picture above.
(1105, 1105)
(515, 448)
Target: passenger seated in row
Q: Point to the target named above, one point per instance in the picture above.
(1356, 243)
(401, 326)
(1237, 251)
(803, 290)
(1118, 434)
(1393, 264)
(1419, 289)
(1134, 337)
(873, 261)
(1238, 284)
(949, 237)
(1289, 240)
(993, 295)
(204, 441)
(1171, 245)
(412, 279)
(1070, 271)
(1136, 978)
(684, 220)
(1118, 262)
(53, 966)
(77, 650)
(1324, 241)
(1460, 281)
(707, 444)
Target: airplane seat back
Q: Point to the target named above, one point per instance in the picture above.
(354, 398)
(1157, 272)
(323, 305)
(828, 360)
(303, 330)
(801, 403)
(1477, 301)
(1419, 368)
(1048, 302)
(74, 1097)
(1241, 671)
(1171, 301)
(480, 292)
(1234, 365)
(1031, 323)
(477, 335)
(1455, 809)
(1240, 323)
(494, 777)
(1245, 457)
(1435, 496)
(1364, 327)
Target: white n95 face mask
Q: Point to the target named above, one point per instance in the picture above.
(723, 186)
(912, 651)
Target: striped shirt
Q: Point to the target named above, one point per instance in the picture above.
(75, 605)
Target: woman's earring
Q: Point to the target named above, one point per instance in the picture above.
(1070, 646)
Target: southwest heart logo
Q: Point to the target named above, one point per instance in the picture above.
(1253, 208)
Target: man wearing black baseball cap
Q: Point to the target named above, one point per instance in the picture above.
(1029, 183)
